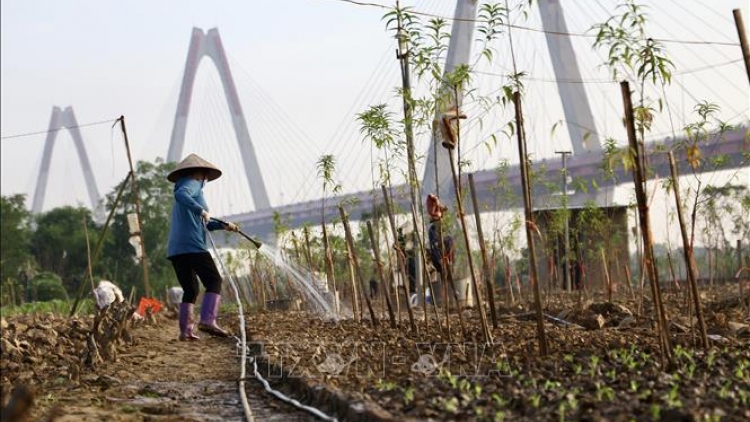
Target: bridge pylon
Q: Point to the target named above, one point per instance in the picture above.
(209, 44)
(64, 119)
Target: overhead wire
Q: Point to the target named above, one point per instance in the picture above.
(525, 28)
(43, 132)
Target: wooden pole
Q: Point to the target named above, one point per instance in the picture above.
(743, 40)
(692, 270)
(488, 282)
(401, 262)
(383, 281)
(524, 165)
(643, 214)
(329, 268)
(459, 203)
(137, 201)
(403, 55)
(350, 241)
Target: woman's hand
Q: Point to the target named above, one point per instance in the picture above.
(205, 216)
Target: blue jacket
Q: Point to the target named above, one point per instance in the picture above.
(186, 233)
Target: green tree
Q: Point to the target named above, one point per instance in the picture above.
(15, 247)
(48, 286)
(59, 243)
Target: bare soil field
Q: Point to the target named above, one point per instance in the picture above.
(603, 364)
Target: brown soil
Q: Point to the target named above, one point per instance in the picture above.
(608, 369)
(150, 376)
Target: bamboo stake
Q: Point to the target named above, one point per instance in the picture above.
(401, 262)
(480, 303)
(383, 282)
(350, 241)
(488, 282)
(743, 39)
(643, 213)
(137, 201)
(524, 164)
(692, 270)
(329, 267)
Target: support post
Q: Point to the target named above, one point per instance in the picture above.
(383, 280)
(414, 185)
(137, 201)
(358, 271)
(529, 221)
(688, 254)
(743, 40)
(643, 216)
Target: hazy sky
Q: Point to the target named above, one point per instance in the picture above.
(303, 68)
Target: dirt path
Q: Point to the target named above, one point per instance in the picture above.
(162, 379)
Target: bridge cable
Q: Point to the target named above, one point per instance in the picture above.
(526, 28)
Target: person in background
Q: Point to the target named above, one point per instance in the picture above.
(441, 248)
(406, 249)
(373, 288)
(187, 248)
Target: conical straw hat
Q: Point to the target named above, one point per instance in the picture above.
(191, 163)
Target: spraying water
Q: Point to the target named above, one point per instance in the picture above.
(311, 288)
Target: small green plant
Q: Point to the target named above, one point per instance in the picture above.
(408, 395)
(578, 368)
(604, 392)
(128, 409)
(740, 371)
(711, 359)
(451, 405)
(535, 400)
(499, 401)
(385, 385)
(672, 398)
(725, 389)
(499, 416)
(551, 385)
(593, 365)
(655, 412)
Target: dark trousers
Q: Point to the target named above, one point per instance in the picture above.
(191, 266)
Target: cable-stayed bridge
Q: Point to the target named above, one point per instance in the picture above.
(576, 111)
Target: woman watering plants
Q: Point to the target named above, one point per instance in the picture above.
(187, 245)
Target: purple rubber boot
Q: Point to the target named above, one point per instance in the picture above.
(186, 322)
(209, 312)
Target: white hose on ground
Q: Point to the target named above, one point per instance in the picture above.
(244, 353)
(243, 369)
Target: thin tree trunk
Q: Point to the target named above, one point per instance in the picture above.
(480, 303)
(357, 270)
(692, 269)
(383, 281)
(643, 212)
(402, 262)
(524, 164)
